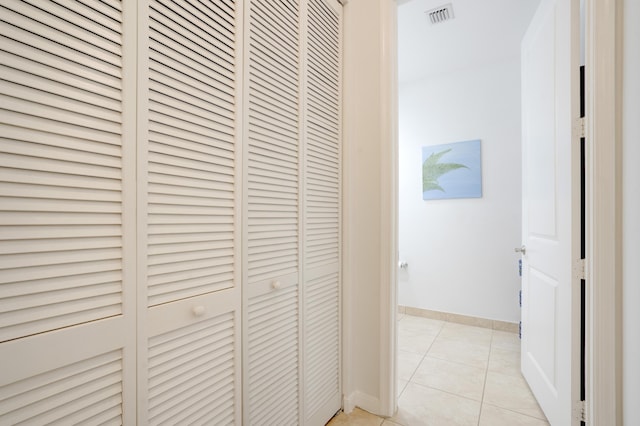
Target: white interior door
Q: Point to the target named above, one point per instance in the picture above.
(550, 326)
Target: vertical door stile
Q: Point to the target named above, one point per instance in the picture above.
(239, 213)
(244, 210)
(130, 221)
(302, 199)
(340, 197)
(142, 146)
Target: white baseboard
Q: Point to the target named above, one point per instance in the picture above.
(361, 400)
(460, 319)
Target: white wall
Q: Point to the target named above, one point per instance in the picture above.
(631, 211)
(461, 252)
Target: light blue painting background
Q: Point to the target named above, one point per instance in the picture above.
(459, 183)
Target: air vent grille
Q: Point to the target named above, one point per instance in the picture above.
(440, 14)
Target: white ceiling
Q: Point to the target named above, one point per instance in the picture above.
(482, 32)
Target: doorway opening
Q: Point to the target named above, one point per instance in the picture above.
(458, 282)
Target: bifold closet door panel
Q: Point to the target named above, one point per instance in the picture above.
(271, 212)
(192, 132)
(67, 199)
(322, 212)
(193, 364)
(189, 198)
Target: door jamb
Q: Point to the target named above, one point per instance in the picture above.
(603, 215)
(389, 197)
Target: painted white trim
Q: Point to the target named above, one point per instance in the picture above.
(359, 399)
(347, 254)
(388, 197)
(603, 232)
(142, 199)
(367, 238)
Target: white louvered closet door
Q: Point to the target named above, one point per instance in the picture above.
(322, 212)
(292, 208)
(190, 360)
(272, 224)
(67, 198)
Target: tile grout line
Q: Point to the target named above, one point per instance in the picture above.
(491, 346)
(448, 392)
(518, 413)
(421, 360)
(486, 374)
(424, 356)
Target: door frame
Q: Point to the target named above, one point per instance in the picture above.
(603, 232)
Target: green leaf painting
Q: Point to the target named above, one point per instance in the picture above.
(432, 169)
(452, 170)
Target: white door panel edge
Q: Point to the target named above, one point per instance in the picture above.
(550, 315)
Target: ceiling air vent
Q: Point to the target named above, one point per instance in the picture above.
(440, 14)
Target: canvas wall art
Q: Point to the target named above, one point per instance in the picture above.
(452, 170)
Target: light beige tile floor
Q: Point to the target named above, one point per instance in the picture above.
(453, 374)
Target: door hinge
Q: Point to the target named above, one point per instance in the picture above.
(581, 411)
(582, 127)
(580, 269)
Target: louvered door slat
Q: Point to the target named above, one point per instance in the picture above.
(190, 213)
(182, 111)
(268, 47)
(22, 139)
(30, 102)
(267, 17)
(288, 8)
(322, 210)
(318, 37)
(198, 30)
(270, 99)
(56, 128)
(324, 107)
(191, 373)
(108, 8)
(213, 18)
(185, 75)
(62, 167)
(167, 33)
(191, 148)
(83, 391)
(58, 54)
(65, 33)
(200, 103)
(65, 202)
(107, 28)
(59, 83)
(97, 171)
(273, 357)
(273, 130)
